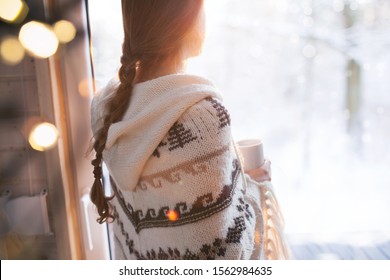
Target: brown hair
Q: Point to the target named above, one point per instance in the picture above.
(154, 30)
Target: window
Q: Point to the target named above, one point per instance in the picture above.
(310, 78)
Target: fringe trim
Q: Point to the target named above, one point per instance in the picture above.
(275, 245)
(274, 242)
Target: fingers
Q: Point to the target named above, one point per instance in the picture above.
(262, 173)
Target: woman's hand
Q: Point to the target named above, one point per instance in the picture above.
(261, 174)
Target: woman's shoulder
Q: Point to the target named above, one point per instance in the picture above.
(104, 93)
(99, 100)
(211, 111)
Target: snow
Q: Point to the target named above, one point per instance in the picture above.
(282, 67)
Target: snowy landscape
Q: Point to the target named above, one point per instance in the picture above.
(311, 79)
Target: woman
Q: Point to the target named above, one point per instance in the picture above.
(178, 188)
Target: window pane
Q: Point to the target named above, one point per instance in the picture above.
(310, 78)
(107, 36)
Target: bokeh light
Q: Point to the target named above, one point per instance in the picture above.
(85, 88)
(38, 39)
(12, 52)
(65, 31)
(43, 136)
(309, 51)
(13, 11)
(172, 215)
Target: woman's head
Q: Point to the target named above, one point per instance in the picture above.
(156, 33)
(160, 30)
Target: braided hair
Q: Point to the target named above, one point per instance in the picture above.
(154, 31)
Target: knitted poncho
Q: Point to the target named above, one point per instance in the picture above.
(180, 192)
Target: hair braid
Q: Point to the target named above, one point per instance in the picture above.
(115, 109)
(153, 32)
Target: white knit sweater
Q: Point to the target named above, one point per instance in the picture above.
(180, 192)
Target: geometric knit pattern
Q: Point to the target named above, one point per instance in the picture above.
(207, 251)
(187, 213)
(218, 199)
(222, 113)
(178, 136)
(179, 189)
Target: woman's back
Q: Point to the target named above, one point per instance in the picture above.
(188, 201)
(179, 189)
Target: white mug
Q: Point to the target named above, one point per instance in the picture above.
(252, 153)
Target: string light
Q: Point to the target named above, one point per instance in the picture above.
(12, 52)
(13, 11)
(43, 136)
(38, 39)
(85, 88)
(65, 31)
(172, 215)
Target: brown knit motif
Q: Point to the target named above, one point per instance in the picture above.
(174, 175)
(217, 249)
(203, 207)
(222, 112)
(179, 136)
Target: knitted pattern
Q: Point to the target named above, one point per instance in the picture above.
(180, 192)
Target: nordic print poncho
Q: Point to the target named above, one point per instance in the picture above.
(180, 192)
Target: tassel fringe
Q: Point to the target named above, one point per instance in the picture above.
(275, 245)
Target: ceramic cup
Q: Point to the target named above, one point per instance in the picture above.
(252, 153)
